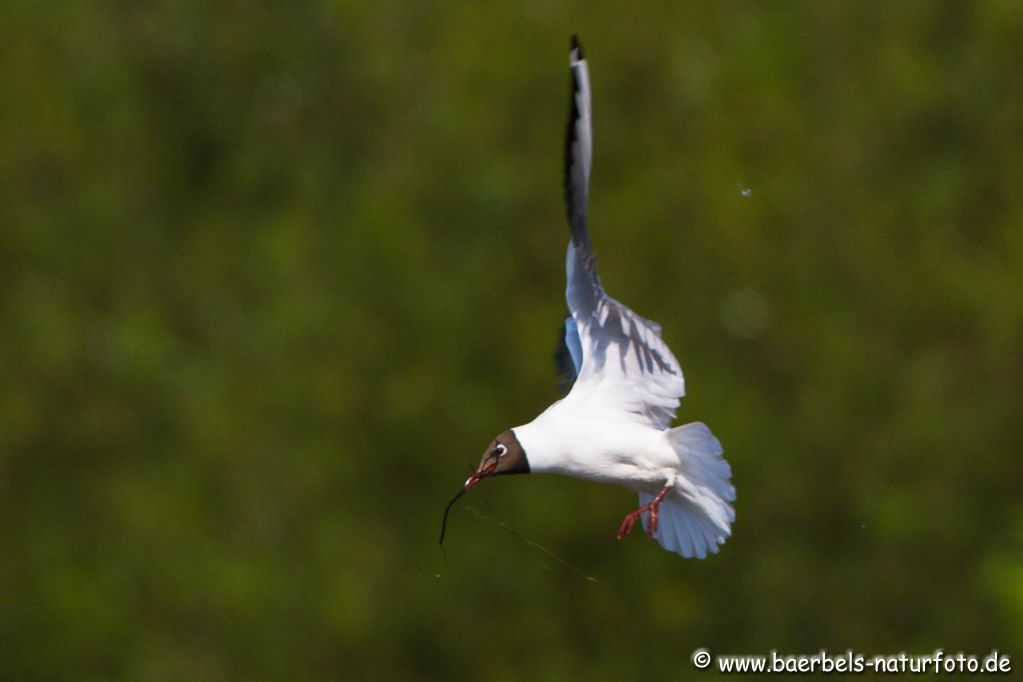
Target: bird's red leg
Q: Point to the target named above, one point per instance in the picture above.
(653, 506)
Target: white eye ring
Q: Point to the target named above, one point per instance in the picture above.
(501, 449)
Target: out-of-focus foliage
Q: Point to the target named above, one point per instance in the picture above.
(272, 275)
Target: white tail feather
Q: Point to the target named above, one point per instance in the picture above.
(697, 516)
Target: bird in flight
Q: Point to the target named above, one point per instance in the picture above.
(614, 425)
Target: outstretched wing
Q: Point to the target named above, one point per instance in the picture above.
(625, 366)
(568, 357)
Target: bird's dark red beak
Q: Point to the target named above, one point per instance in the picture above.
(486, 468)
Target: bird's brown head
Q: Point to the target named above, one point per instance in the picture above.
(504, 455)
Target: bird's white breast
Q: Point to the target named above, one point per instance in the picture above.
(597, 447)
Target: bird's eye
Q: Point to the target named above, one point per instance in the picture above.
(501, 449)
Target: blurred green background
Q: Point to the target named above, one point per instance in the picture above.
(273, 275)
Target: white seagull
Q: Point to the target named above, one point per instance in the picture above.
(614, 426)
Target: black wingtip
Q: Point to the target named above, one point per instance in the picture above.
(577, 47)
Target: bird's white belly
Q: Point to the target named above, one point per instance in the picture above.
(595, 449)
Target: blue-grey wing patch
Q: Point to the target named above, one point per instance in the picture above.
(568, 357)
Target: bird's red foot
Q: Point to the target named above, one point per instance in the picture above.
(653, 506)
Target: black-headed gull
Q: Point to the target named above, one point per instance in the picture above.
(614, 425)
